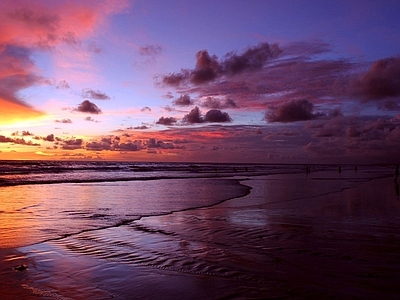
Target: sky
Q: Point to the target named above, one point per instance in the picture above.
(200, 81)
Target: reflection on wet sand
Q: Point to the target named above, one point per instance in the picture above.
(318, 235)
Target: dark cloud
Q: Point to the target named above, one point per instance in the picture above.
(168, 96)
(176, 79)
(63, 85)
(212, 116)
(88, 107)
(296, 74)
(4, 139)
(47, 25)
(183, 100)
(194, 116)
(72, 144)
(90, 119)
(146, 109)
(92, 94)
(291, 111)
(252, 59)
(381, 81)
(104, 144)
(153, 143)
(19, 141)
(47, 21)
(208, 68)
(64, 121)
(129, 146)
(166, 121)
(150, 50)
(214, 103)
(16, 73)
(217, 116)
(142, 127)
(22, 133)
(49, 138)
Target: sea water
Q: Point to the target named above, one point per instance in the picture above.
(134, 230)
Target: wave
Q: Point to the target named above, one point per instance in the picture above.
(14, 173)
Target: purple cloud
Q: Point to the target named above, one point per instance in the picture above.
(214, 103)
(183, 100)
(217, 116)
(291, 111)
(212, 116)
(194, 116)
(146, 109)
(150, 50)
(166, 121)
(64, 121)
(88, 107)
(208, 68)
(72, 144)
(92, 94)
(381, 81)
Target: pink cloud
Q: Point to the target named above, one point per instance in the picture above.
(42, 25)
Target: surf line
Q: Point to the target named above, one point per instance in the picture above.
(124, 222)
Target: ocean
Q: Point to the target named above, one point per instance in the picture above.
(120, 230)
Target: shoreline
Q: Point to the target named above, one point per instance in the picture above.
(257, 246)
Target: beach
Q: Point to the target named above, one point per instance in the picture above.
(282, 235)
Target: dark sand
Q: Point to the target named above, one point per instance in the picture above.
(322, 236)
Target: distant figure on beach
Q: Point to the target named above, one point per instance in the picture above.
(355, 169)
(340, 170)
(396, 173)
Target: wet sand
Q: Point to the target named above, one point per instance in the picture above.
(324, 235)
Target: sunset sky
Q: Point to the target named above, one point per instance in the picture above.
(207, 81)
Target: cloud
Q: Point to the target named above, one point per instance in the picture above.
(208, 68)
(31, 26)
(166, 121)
(146, 109)
(49, 138)
(142, 127)
(92, 94)
(22, 133)
(291, 111)
(194, 116)
(217, 116)
(129, 146)
(381, 81)
(88, 107)
(17, 71)
(252, 59)
(300, 72)
(64, 121)
(61, 85)
(150, 50)
(212, 116)
(72, 144)
(215, 103)
(90, 119)
(104, 144)
(183, 100)
(19, 141)
(153, 143)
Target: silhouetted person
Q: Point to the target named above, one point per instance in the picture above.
(396, 173)
(355, 169)
(340, 169)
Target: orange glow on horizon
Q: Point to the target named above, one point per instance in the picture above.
(13, 113)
